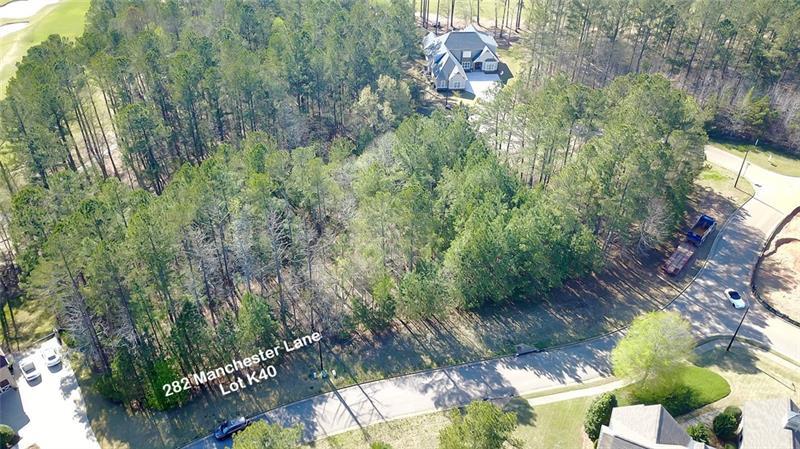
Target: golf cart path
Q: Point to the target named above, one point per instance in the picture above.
(731, 260)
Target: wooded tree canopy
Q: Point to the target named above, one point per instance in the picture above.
(213, 177)
(153, 85)
(727, 54)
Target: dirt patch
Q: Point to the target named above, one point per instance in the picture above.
(778, 275)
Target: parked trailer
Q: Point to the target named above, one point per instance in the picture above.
(679, 258)
(702, 228)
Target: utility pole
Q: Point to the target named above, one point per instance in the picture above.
(737, 329)
(742, 166)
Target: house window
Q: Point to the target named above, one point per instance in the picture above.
(489, 66)
(456, 84)
(4, 385)
(467, 65)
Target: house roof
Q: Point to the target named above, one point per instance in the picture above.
(486, 38)
(458, 41)
(442, 52)
(644, 427)
(446, 66)
(485, 55)
(766, 424)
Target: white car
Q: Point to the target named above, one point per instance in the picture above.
(29, 370)
(51, 357)
(735, 298)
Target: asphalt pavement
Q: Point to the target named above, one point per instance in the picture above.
(732, 257)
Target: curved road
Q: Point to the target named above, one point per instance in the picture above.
(730, 262)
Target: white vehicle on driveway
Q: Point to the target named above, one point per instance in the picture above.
(51, 357)
(29, 370)
(735, 298)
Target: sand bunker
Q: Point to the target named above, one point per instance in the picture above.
(11, 27)
(22, 9)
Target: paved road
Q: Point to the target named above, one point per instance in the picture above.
(732, 257)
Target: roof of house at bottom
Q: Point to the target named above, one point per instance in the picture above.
(645, 427)
(769, 423)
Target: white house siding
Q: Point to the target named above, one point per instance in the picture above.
(457, 82)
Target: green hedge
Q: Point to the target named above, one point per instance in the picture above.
(599, 414)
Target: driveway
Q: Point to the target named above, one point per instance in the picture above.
(729, 265)
(481, 84)
(48, 412)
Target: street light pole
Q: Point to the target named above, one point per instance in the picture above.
(737, 329)
(742, 166)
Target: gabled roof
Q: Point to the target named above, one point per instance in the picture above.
(446, 66)
(644, 427)
(457, 41)
(485, 55)
(486, 38)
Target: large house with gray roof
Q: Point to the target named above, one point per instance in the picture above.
(452, 55)
(645, 427)
(766, 424)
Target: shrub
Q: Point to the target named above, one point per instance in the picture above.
(380, 445)
(599, 414)
(7, 436)
(261, 434)
(734, 411)
(700, 433)
(678, 400)
(730, 446)
(725, 426)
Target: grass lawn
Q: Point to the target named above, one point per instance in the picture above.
(697, 387)
(752, 374)
(721, 181)
(556, 425)
(34, 320)
(418, 432)
(780, 162)
(550, 426)
(466, 9)
(512, 58)
(66, 18)
(547, 426)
